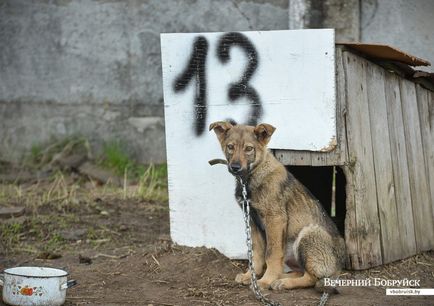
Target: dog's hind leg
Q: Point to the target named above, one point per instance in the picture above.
(305, 281)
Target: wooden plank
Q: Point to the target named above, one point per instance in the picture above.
(431, 125)
(416, 167)
(351, 236)
(319, 159)
(425, 103)
(361, 166)
(307, 158)
(400, 166)
(390, 240)
(294, 158)
(340, 158)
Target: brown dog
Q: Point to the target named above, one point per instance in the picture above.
(288, 223)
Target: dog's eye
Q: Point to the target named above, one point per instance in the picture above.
(249, 149)
(230, 146)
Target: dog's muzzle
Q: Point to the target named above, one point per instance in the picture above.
(235, 168)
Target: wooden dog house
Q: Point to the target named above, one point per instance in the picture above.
(385, 150)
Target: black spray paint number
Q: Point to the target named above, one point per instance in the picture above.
(196, 69)
(242, 88)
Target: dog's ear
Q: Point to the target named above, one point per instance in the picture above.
(263, 132)
(220, 128)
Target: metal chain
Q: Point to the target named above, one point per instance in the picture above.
(323, 299)
(325, 296)
(254, 286)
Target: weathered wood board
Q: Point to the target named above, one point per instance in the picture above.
(390, 239)
(425, 104)
(366, 231)
(285, 78)
(420, 193)
(405, 223)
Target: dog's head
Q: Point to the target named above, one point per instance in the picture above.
(244, 146)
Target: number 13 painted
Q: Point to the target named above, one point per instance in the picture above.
(196, 70)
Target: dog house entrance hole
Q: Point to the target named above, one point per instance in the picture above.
(327, 184)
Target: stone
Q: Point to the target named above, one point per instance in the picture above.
(11, 211)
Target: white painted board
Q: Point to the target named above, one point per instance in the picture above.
(285, 78)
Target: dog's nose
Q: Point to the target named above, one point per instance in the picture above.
(235, 167)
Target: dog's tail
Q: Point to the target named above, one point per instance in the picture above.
(321, 287)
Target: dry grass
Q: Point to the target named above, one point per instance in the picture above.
(61, 200)
(60, 203)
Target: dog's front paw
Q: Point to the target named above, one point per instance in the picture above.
(264, 283)
(243, 278)
(280, 284)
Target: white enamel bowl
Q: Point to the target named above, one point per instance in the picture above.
(31, 286)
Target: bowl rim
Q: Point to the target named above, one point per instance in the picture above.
(9, 271)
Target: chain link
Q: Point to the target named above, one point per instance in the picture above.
(323, 299)
(254, 286)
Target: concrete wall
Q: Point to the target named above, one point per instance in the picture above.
(341, 15)
(92, 68)
(407, 25)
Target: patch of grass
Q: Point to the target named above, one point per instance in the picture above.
(115, 158)
(65, 221)
(152, 179)
(10, 234)
(54, 243)
(148, 182)
(36, 233)
(153, 184)
(161, 173)
(92, 234)
(57, 203)
(36, 152)
(60, 195)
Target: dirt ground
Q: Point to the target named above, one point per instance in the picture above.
(118, 249)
